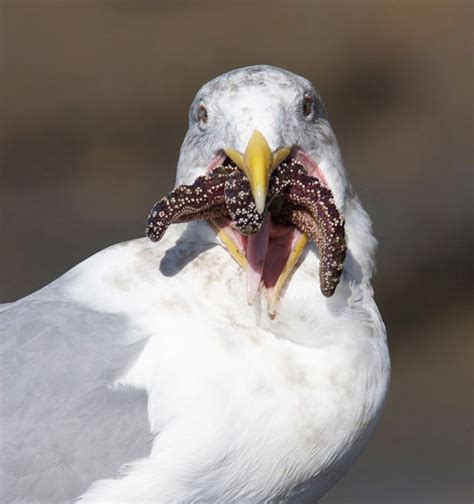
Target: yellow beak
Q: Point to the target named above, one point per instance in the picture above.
(258, 162)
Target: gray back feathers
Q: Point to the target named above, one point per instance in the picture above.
(62, 424)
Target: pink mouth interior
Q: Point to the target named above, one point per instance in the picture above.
(268, 250)
(281, 241)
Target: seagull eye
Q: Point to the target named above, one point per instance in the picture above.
(307, 105)
(202, 114)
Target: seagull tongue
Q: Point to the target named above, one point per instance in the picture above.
(257, 246)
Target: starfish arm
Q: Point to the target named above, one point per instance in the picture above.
(204, 199)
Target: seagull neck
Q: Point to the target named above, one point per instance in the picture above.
(360, 260)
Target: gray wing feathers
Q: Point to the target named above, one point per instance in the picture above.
(62, 425)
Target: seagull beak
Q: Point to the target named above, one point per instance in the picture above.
(257, 162)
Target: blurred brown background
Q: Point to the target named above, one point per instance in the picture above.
(94, 98)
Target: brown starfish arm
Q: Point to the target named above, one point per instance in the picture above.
(202, 200)
(310, 207)
(332, 252)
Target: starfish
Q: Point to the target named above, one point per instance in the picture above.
(303, 201)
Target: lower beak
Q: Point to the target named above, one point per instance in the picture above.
(257, 162)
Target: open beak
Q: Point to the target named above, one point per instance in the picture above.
(269, 255)
(258, 162)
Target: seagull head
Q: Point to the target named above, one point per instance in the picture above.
(257, 117)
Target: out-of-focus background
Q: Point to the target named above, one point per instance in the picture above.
(94, 98)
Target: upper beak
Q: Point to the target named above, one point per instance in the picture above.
(257, 162)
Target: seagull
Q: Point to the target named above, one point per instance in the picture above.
(208, 365)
